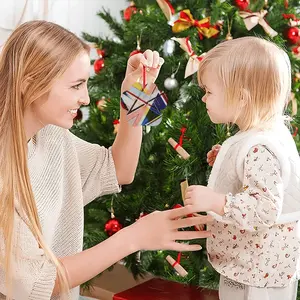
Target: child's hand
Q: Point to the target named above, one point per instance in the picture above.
(159, 230)
(212, 154)
(204, 199)
(150, 59)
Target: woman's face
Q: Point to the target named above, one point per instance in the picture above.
(59, 107)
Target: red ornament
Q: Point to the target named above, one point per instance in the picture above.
(112, 226)
(242, 4)
(177, 206)
(129, 11)
(98, 65)
(136, 51)
(101, 52)
(79, 115)
(293, 35)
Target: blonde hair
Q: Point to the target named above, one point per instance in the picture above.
(256, 75)
(36, 53)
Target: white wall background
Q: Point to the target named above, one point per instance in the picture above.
(75, 15)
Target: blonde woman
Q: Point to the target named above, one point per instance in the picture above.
(253, 191)
(48, 174)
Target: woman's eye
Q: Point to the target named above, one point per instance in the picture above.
(77, 86)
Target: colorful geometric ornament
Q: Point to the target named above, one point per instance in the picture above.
(144, 104)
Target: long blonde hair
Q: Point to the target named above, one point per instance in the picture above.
(256, 75)
(36, 53)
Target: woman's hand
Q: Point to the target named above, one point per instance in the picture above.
(159, 230)
(150, 59)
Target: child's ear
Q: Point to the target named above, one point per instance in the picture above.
(245, 98)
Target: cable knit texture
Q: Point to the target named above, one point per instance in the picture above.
(66, 173)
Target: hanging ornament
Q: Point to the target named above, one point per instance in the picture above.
(296, 51)
(168, 47)
(228, 35)
(293, 35)
(186, 20)
(101, 104)
(138, 46)
(251, 19)
(116, 124)
(178, 146)
(113, 225)
(176, 265)
(144, 103)
(286, 4)
(166, 8)
(129, 11)
(171, 82)
(242, 4)
(194, 60)
(293, 21)
(101, 52)
(98, 65)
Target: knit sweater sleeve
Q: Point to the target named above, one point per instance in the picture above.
(97, 169)
(33, 276)
(260, 203)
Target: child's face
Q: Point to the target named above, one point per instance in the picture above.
(67, 94)
(214, 98)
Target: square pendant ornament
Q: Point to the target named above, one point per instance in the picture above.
(144, 103)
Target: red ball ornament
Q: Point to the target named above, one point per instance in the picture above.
(177, 206)
(242, 4)
(101, 52)
(98, 65)
(129, 11)
(112, 226)
(136, 51)
(79, 115)
(293, 35)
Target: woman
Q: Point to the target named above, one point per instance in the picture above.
(48, 174)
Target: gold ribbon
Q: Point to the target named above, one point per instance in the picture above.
(185, 20)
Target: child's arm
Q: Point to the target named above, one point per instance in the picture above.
(259, 205)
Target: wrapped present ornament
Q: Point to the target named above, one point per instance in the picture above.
(178, 146)
(252, 19)
(144, 103)
(194, 60)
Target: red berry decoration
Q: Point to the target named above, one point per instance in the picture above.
(98, 65)
(242, 4)
(112, 226)
(129, 11)
(101, 52)
(293, 35)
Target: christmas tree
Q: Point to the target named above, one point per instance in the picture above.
(197, 26)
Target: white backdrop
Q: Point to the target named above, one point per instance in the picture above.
(75, 15)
